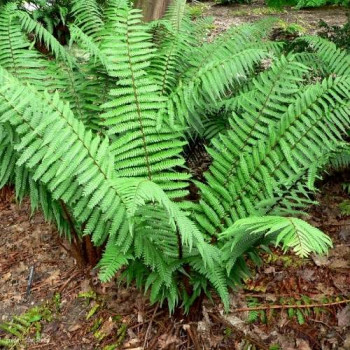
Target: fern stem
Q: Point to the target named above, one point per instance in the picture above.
(11, 49)
(179, 243)
(76, 239)
(138, 108)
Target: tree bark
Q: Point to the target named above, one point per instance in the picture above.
(152, 9)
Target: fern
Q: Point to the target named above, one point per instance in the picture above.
(335, 60)
(223, 62)
(94, 134)
(30, 25)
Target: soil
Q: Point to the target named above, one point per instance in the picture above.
(307, 19)
(86, 314)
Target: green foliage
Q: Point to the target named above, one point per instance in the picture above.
(319, 3)
(346, 187)
(51, 14)
(21, 326)
(344, 206)
(95, 134)
(196, 10)
(299, 4)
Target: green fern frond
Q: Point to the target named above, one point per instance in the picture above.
(49, 153)
(78, 36)
(137, 193)
(112, 260)
(337, 61)
(292, 233)
(87, 16)
(140, 149)
(16, 54)
(223, 64)
(42, 35)
(318, 115)
(341, 157)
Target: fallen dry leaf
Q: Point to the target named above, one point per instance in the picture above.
(165, 340)
(302, 345)
(74, 327)
(6, 277)
(343, 317)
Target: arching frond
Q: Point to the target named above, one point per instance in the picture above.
(16, 55)
(309, 129)
(289, 232)
(42, 35)
(336, 61)
(222, 64)
(87, 16)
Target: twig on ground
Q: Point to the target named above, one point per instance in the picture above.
(67, 282)
(267, 307)
(149, 327)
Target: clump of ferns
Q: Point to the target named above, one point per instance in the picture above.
(98, 144)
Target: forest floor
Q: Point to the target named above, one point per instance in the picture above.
(296, 303)
(306, 19)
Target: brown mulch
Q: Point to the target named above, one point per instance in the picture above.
(26, 241)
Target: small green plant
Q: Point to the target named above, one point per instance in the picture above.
(346, 187)
(57, 302)
(298, 4)
(344, 208)
(297, 309)
(27, 324)
(197, 10)
(256, 12)
(294, 28)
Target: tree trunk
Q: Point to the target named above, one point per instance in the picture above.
(152, 9)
